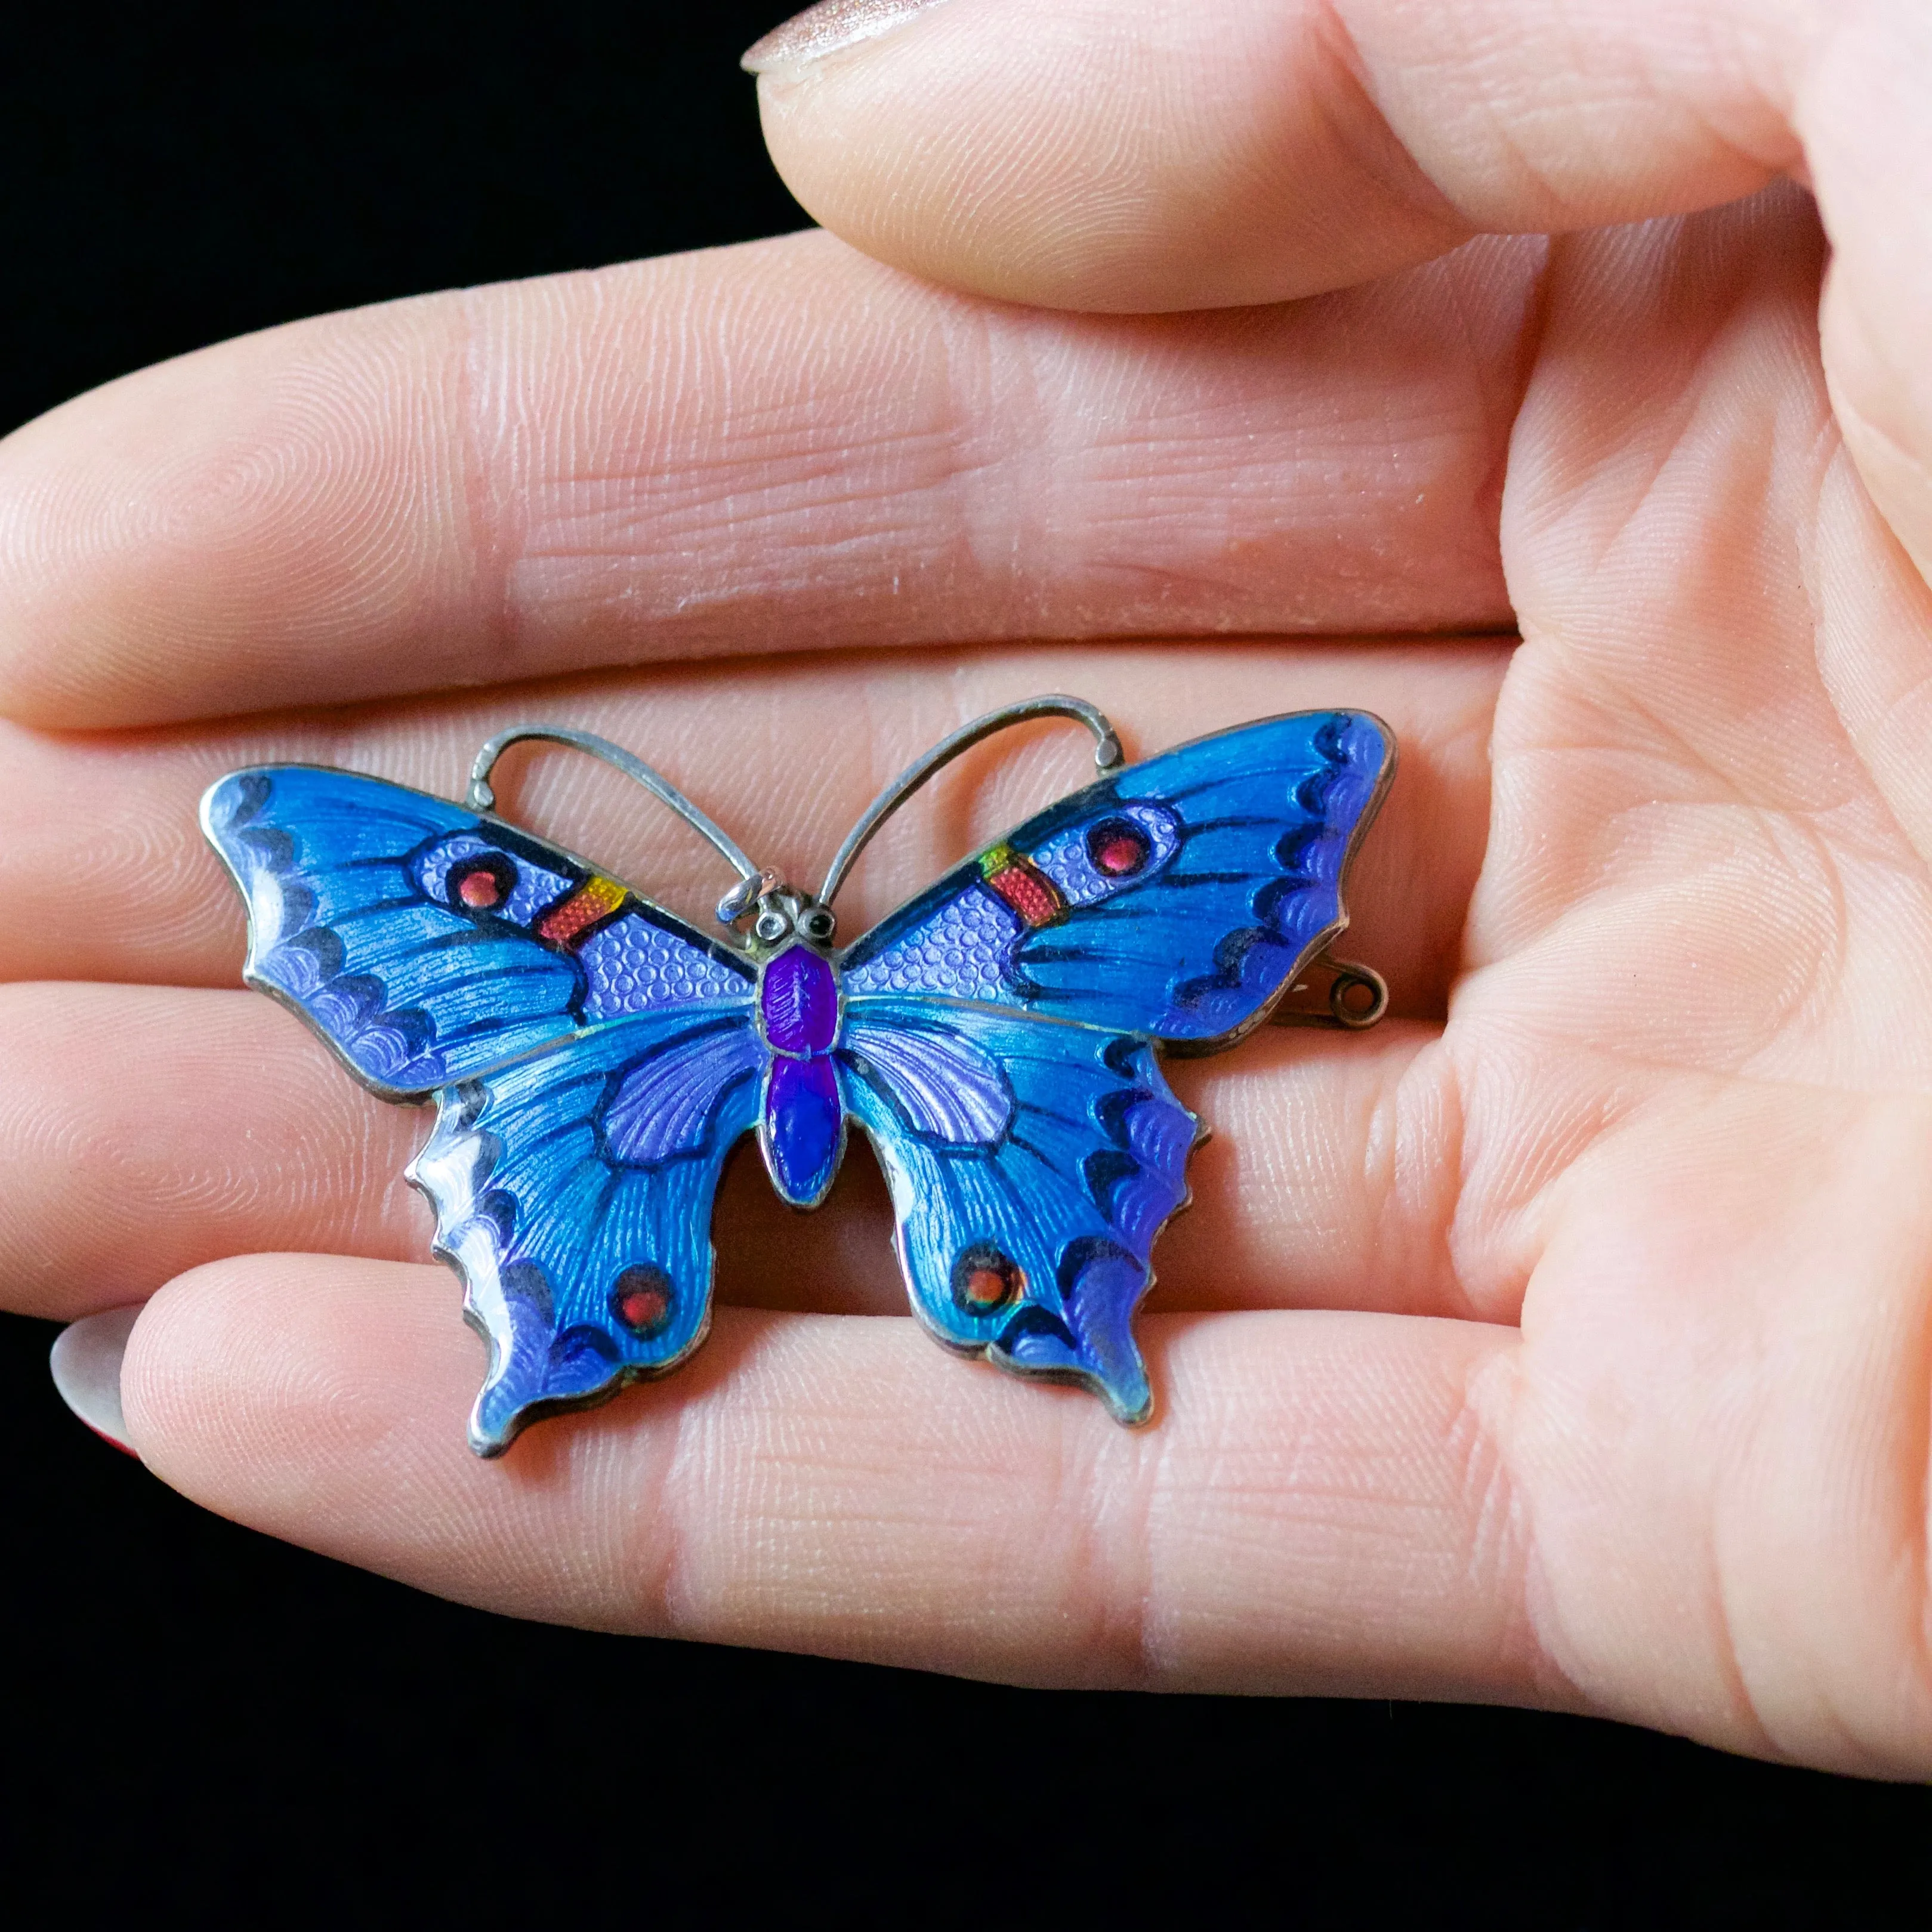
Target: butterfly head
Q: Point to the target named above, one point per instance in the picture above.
(783, 915)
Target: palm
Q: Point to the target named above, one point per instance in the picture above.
(1668, 1126)
(1686, 1062)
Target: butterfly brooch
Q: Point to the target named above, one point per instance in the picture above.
(998, 1039)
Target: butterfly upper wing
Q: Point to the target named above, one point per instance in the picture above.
(573, 1190)
(357, 918)
(1031, 1165)
(1176, 899)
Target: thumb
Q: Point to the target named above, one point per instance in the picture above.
(1150, 154)
(1160, 155)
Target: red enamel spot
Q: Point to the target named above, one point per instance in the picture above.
(640, 1299)
(1117, 849)
(644, 1307)
(479, 890)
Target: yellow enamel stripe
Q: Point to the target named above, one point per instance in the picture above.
(596, 898)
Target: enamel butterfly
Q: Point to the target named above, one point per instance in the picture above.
(998, 1039)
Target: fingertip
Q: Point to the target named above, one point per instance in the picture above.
(257, 1384)
(1148, 160)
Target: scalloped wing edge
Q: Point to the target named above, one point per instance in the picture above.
(452, 1170)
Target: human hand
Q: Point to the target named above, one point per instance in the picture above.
(1572, 1351)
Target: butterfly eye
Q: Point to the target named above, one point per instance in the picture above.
(984, 1279)
(771, 927)
(1118, 848)
(816, 924)
(483, 886)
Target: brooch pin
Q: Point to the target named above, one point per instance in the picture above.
(998, 1039)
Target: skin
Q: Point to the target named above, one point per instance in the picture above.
(1568, 1340)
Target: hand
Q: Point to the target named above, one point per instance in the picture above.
(1569, 1338)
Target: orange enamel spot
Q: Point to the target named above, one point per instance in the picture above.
(985, 1288)
(596, 899)
(984, 1278)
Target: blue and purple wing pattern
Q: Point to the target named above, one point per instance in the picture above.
(426, 942)
(594, 1059)
(1175, 900)
(1031, 1165)
(573, 1191)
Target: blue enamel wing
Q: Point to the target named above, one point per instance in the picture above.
(593, 1059)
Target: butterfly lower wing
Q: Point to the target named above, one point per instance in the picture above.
(573, 1191)
(426, 942)
(1176, 899)
(1032, 1164)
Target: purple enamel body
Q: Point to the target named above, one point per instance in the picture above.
(804, 1112)
(799, 1001)
(804, 1116)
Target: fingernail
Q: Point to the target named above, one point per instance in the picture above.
(86, 1364)
(828, 28)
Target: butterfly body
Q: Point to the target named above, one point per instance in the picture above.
(593, 1058)
(802, 1123)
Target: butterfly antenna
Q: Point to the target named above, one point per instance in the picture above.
(1106, 758)
(482, 796)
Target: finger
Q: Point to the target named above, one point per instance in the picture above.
(761, 448)
(146, 1131)
(103, 844)
(1151, 154)
(143, 1131)
(1162, 155)
(1315, 1511)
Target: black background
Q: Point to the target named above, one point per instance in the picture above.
(193, 1715)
